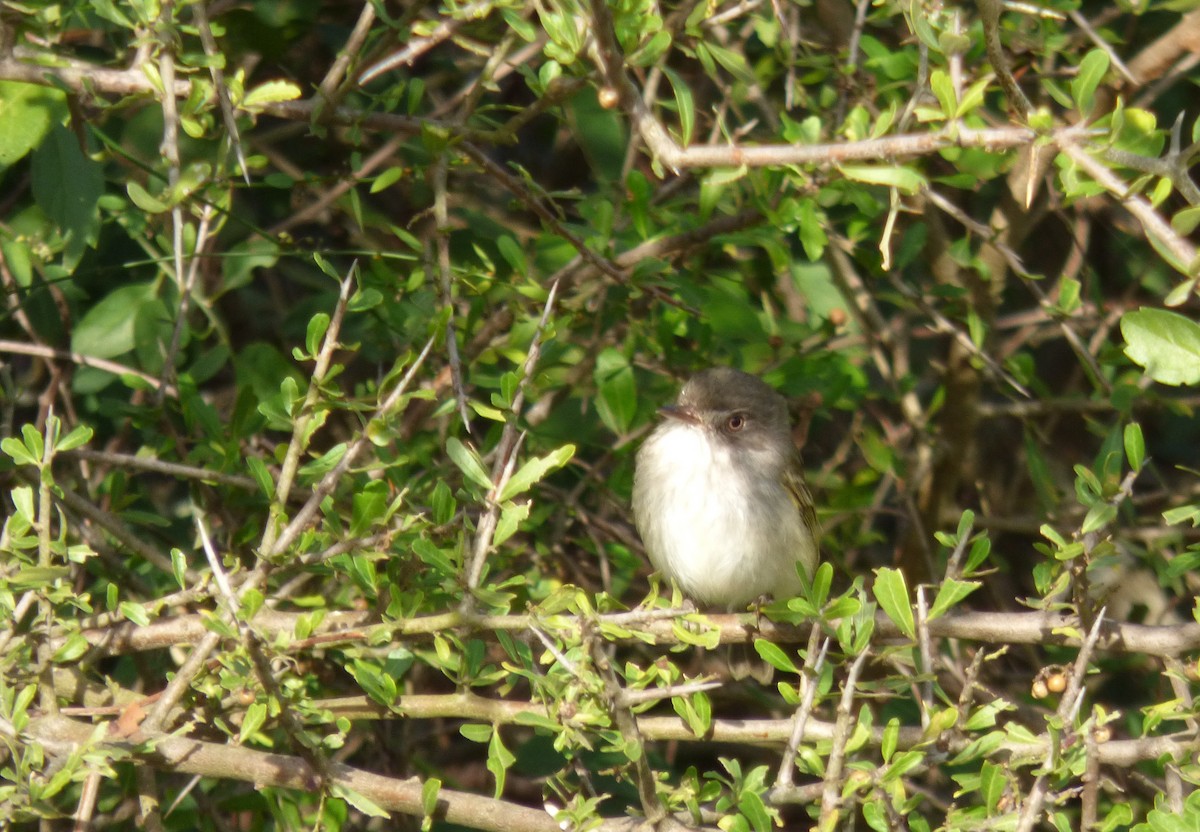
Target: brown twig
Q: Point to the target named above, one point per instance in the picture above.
(62, 736)
(813, 667)
(1068, 708)
(831, 793)
(1034, 627)
(506, 450)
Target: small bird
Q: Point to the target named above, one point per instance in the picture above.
(719, 496)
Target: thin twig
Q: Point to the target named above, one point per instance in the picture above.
(200, 12)
(40, 351)
(626, 723)
(327, 484)
(328, 88)
(505, 454)
(305, 412)
(1008, 628)
(441, 215)
(131, 462)
(812, 673)
(830, 794)
(925, 701)
(419, 46)
(1068, 709)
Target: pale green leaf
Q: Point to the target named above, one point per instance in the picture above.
(892, 594)
(1166, 343)
(468, 462)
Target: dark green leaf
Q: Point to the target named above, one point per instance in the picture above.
(27, 114)
(616, 399)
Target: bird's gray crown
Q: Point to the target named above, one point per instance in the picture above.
(724, 390)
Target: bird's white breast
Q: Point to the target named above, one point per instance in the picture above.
(725, 537)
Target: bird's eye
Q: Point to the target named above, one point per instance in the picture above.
(735, 423)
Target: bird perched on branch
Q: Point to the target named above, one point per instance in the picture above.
(719, 496)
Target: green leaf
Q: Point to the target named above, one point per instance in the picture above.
(822, 580)
(1166, 343)
(904, 763)
(258, 470)
(965, 523)
(616, 399)
(430, 790)
(906, 180)
(34, 441)
(432, 556)
(443, 503)
(1185, 222)
(949, 594)
(270, 93)
(774, 656)
(709, 637)
(359, 801)
(533, 471)
(81, 435)
(943, 90)
(368, 506)
(468, 462)
(27, 112)
(1182, 514)
(22, 498)
(992, 784)
(326, 462)
(511, 517)
(256, 716)
(1135, 446)
(698, 719)
(734, 62)
(108, 329)
(751, 805)
(891, 736)
(72, 649)
(67, 186)
(1120, 816)
(386, 179)
(37, 577)
(811, 222)
(135, 613)
(1179, 295)
(17, 451)
(374, 681)
(142, 199)
(317, 326)
(513, 254)
(1098, 516)
(1092, 70)
(701, 707)
(684, 104)
(892, 594)
(476, 731)
(179, 567)
(498, 762)
(1068, 295)
(653, 49)
(941, 721)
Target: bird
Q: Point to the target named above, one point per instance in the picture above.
(719, 496)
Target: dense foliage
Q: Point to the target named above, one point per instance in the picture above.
(330, 333)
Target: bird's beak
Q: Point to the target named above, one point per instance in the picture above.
(679, 414)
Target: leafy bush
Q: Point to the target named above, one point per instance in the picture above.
(331, 334)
